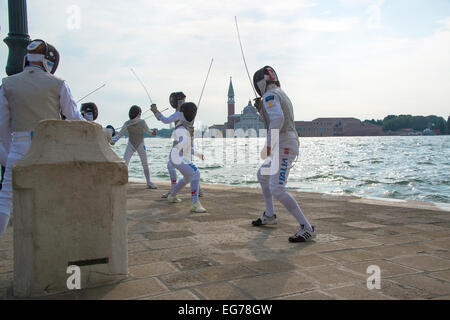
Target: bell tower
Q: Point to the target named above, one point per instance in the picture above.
(230, 99)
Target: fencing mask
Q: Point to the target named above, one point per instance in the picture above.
(263, 77)
(189, 110)
(41, 51)
(176, 99)
(89, 111)
(134, 112)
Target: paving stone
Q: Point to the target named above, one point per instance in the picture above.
(351, 255)
(431, 235)
(433, 287)
(327, 237)
(136, 247)
(228, 258)
(312, 260)
(175, 295)
(269, 266)
(170, 243)
(387, 268)
(442, 275)
(444, 255)
(227, 272)
(423, 262)
(426, 227)
(126, 290)
(151, 269)
(364, 225)
(442, 298)
(160, 235)
(221, 291)
(355, 234)
(357, 292)
(136, 237)
(401, 229)
(392, 251)
(192, 263)
(273, 285)
(171, 254)
(401, 291)
(443, 243)
(399, 239)
(358, 243)
(182, 280)
(311, 295)
(313, 247)
(333, 276)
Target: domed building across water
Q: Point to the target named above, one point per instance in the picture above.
(248, 121)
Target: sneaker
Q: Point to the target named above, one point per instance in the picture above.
(200, 192)
(303, 235)
(151, 185)
(197, 207)
(165, 195)
(173, 199)
(263, 220)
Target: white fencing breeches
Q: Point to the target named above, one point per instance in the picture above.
(274, 184)
(19, 147)
(190, 174)
(130, 150)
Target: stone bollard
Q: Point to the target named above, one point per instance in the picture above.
(69, 196)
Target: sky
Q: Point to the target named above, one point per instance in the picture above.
(335, 58)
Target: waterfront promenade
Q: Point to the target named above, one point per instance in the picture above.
(175, 254)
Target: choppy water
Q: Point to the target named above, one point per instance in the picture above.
(411, 168)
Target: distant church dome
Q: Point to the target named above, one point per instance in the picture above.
(249, 108)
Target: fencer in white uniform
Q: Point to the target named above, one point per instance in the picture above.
(277, 112)
(181, 156)
(176, 99)
(136, 128)
(26, 98)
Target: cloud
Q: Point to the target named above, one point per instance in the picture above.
(329, 64)
(374, 14)
(329, 25)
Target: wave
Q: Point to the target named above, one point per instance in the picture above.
(210, 167)
(428, 163)
(368, 182)
(316, 177)
(437, 198)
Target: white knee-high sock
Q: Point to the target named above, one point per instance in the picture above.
(180, 185)
(292, 206)
(173, 177)
(195, 186)
(267, 194)
(147, 174)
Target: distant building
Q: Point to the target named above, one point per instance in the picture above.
(248, 119)
(331, 127)
(320, 127)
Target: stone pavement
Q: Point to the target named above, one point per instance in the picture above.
(175, 254)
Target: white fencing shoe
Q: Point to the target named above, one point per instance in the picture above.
(165, 195)
(303, 235)
(173, 199)
(265, 220)
(151, 185)
(197, 207)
